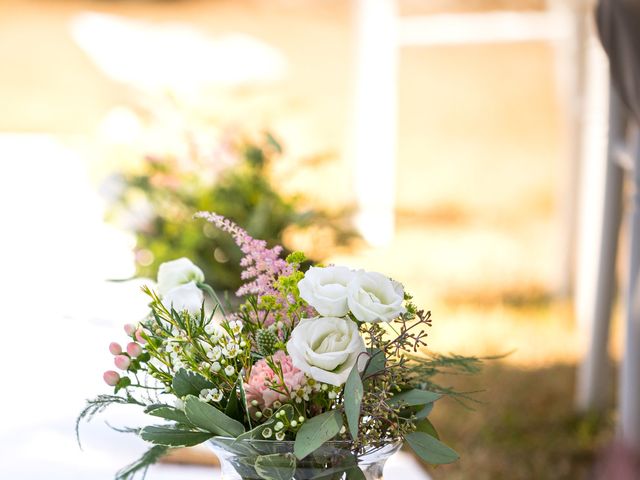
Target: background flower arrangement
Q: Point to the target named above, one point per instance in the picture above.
(330, 355)
(230, 173)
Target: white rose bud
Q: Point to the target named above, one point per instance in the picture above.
(176, 273)
(185, 297)
(326, 348)
(375, 298)
(325, 289)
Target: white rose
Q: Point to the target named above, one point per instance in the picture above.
(372, 297)
(326, 348)
(185, 297)
(325, 289)
(177, 272)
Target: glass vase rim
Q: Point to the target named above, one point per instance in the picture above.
(334, 443)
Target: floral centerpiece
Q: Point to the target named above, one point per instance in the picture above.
(317, 375)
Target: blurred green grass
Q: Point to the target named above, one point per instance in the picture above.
(523, 426)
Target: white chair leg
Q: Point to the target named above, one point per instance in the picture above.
(597, 285)
(630, 374)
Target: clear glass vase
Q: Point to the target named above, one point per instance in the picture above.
(267, 460)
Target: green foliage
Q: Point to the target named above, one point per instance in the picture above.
(170, 192)
(209, 418)
(173, 437)
(169, 413)
(277, 466)
(413, 397)
(141, 465)
(316, 431)
(430, 449)
(353, 392)
(98, 405)
(186, 383)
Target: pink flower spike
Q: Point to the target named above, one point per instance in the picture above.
(139, 337)
(111, 378)
(134, 349)
(115, 348)
(129, 329)
(122, 362)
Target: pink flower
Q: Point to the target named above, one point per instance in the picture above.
(263, 377)
(115, 348)
(139, 336)
(134, 349)
(122, 362)
(129, 329)
(111, 378)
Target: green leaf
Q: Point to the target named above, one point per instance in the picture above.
(186, 383)
(173, 437)
(424, 412)
(169, 413)
(316, 431)
(355, 473)
(412, 398)
(142, 464)
(232, 409)
(211, 419)
(430, 449)
(276, 466)
(427, 427)
(377, 362)
(124, 382)
(353, 392)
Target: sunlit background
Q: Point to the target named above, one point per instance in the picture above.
(443, 142)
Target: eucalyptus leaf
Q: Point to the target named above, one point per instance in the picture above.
(316, 431)
(173, 437)
(425, 411)
(211, 419)
(377, 362)
(413, 397)
(427, 427)
(353, 392)
(430, 449)
(186, 382)
(278, 466)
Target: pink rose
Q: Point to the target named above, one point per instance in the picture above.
(262, 378)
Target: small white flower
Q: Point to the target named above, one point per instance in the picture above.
(232, 350)
(176, 273)
(215, 353)
(236, 327)
(280, 436)
(325, 289)
(216, 367)
(279, 426)
(372, 297)
(266, 433)
(229, 370)
(208, 395)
